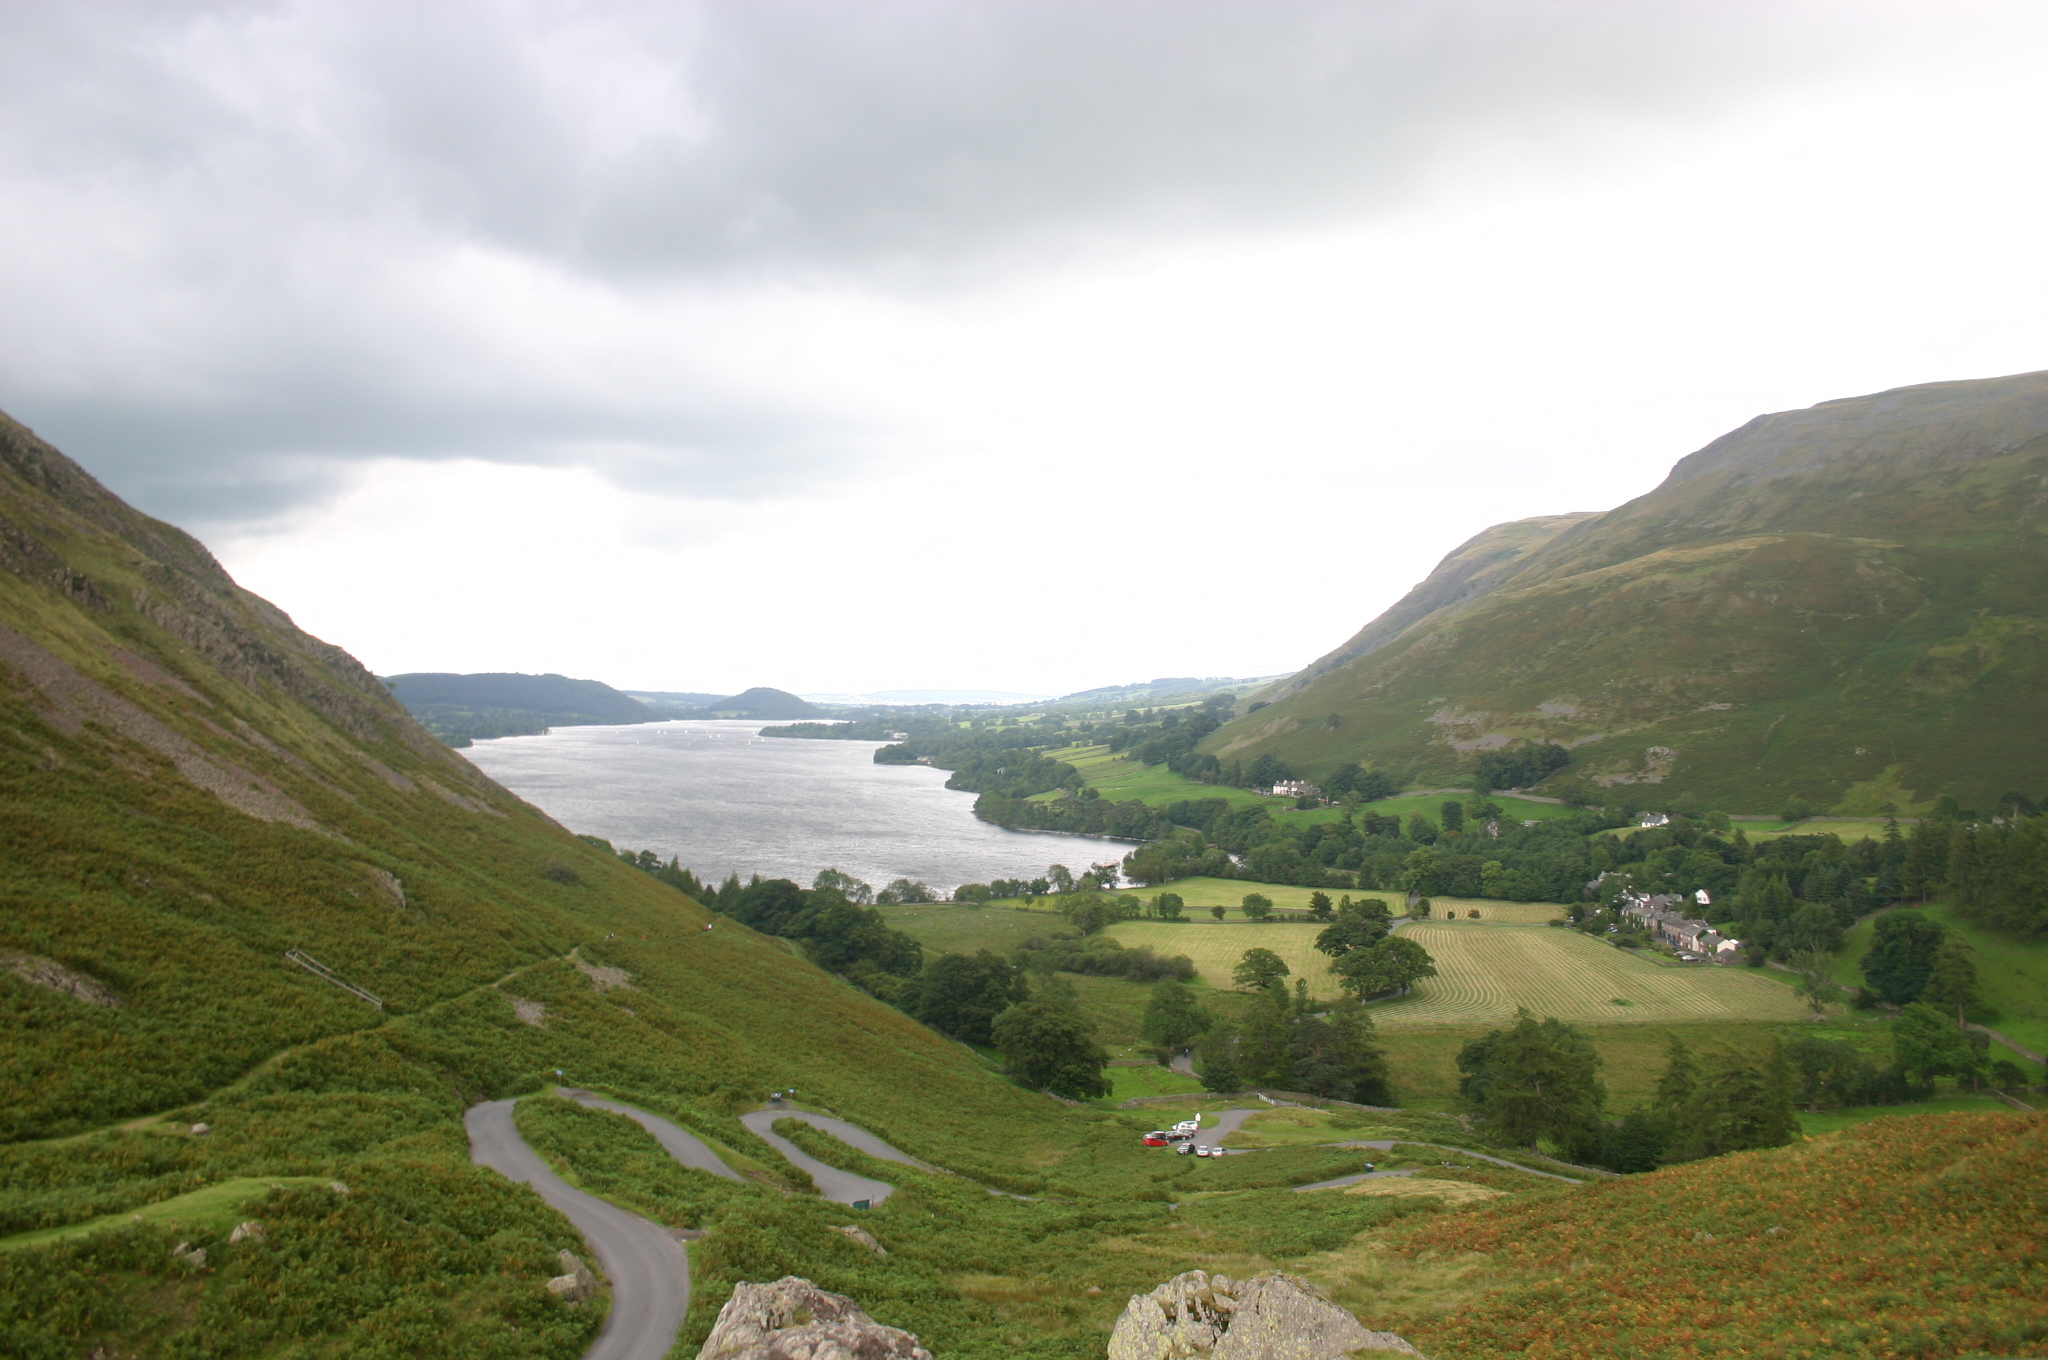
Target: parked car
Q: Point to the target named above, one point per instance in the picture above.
(1185, 1148)
(1208, 1150)
(1156, 1138)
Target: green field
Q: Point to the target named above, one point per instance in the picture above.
(1501, 913)
(1216, 947)
(1121, 780)
(943, 928)
(1484, 972)
(1431, 805)
(1850, 830)
(1132, 1082)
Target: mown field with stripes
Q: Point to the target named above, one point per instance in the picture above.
(1484, 971)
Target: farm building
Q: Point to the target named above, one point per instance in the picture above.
(1295, 788)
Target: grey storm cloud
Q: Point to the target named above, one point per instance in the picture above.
(210, 212)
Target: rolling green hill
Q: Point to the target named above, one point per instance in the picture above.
(1845, 604)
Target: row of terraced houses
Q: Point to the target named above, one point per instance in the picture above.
(1662, 916)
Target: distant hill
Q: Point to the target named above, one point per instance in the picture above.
(1847, 604)
(761, 702)
(460, 709)
(669, 698)
(1166, 687)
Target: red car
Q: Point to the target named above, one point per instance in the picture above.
(1156, 1138)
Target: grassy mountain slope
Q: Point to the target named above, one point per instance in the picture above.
(195, 787)
(1846, 603)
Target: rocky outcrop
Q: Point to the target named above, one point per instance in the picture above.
(1268, 1317)
(793, 1319)
(576, 1283)
(861, 1237)
(41, 972)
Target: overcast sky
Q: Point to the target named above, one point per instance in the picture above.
(1030, 345)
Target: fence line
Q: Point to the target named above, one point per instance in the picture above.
(326, 974)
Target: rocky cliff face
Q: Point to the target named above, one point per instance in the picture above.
(1847, 603)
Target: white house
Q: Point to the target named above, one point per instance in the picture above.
(1295, 788)
(1651, 819)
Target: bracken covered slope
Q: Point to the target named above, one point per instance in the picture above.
(1845, 603)
(194, 787)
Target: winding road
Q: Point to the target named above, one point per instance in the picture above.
(648, 1269)
(841, 1187)
(646, 1264)
(1387, 1145)
(684, 1146)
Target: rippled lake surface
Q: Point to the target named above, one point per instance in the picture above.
(725, 800)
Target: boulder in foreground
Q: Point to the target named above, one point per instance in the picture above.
(793, 1319)
(1268, 1317)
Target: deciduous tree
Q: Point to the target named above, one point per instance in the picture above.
(1392, 965)
(1172, 1018)
(1536, 1081)
(1259, 970)
(1049, 1044)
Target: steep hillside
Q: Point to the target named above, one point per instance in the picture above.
(196, 788)
(1845, 603)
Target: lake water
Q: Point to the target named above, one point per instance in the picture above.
(724, 800)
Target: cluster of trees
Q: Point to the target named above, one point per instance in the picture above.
(1926, 1043)
(1792, 897)
(1367, 785)
(1547, 862)
(1172, 741)
(647, 862)
(1522, 768)
(1282, 1042)
(1100, 956)
(1997, 871)
(840, 934)
(1187, 855)
(1367, 959)
(1130, 820)
(963, 994)
(1540, 1081)
(1913, 958)
(1058, 881)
